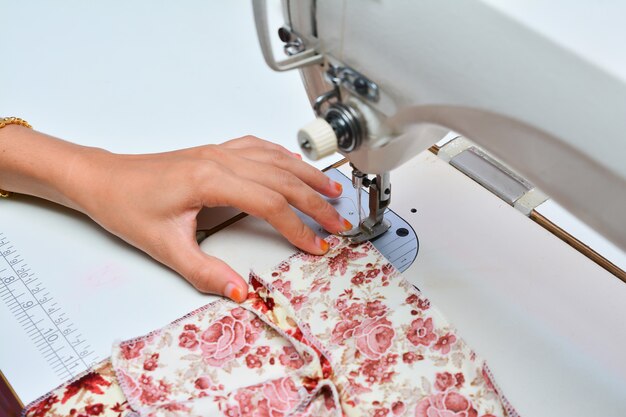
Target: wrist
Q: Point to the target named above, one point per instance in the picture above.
(85, 178)
(40, 165)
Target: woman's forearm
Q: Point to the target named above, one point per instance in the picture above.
(43, 166)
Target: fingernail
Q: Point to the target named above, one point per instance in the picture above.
(321, 243)
(346, 224)
(336, 186)
(232, 291)
(297, 155)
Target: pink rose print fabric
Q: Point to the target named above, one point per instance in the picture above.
(390, 352)
(223, 359)
(336, 335)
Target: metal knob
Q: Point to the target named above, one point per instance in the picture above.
(317, 139)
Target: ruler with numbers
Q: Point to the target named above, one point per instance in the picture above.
(33, 307)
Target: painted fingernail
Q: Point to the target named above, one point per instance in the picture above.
(321, 243)
(346, 224)
(336, 186)
(232, 291)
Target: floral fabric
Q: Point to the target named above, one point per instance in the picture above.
(94, 393)
(220, 359)
(340, 334)
(319, 335)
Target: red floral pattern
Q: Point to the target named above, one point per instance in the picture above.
(43, 407)
(444, 343)
(223, 340)
(421, 332)
(132, 349)
(91, 381)
(448, 404)
(374, 337)
(444, 380)
(188, 340)
(281, 396)
(291, 358)
(343, 331)
(388, 348)
(95, 393)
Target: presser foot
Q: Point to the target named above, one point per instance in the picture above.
(364, 232)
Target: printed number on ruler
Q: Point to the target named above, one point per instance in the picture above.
(52, 332)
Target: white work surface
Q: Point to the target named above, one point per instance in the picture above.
(152, 76)
(145, 76)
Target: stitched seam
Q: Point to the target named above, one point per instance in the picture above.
(508, 407)
(65, 384)
(212, 306)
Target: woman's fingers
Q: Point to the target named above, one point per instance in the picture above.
(315, 178)
(260, 150)
(263, 202)
(207, 273)
(296, 192)
(254, 142)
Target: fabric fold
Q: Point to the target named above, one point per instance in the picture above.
(223, 358)
(390, 351)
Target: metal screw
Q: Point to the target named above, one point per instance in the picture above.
(361, 86)
(284, 34)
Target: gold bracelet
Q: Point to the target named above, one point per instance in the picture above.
(4, 121)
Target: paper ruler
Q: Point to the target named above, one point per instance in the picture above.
(54, 334)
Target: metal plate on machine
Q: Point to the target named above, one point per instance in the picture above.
(399, 244)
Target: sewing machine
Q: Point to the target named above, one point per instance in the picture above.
(389, 79)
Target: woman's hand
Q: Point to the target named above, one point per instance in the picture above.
(151, 201)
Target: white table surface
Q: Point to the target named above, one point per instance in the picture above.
(150, 76)
(144, 76)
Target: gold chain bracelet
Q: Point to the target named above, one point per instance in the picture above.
(4, 121)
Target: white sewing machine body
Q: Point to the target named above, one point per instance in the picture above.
(426, 67)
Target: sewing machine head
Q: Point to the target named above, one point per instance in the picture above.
(345, 124)
(389, 79)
